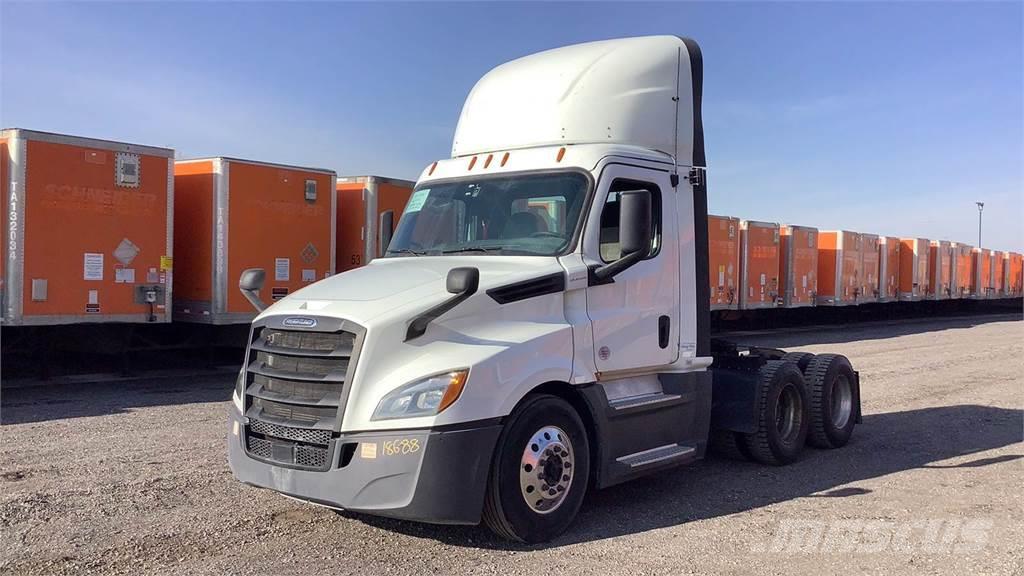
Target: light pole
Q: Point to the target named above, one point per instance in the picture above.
(981, 206)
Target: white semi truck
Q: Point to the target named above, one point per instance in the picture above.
(539, 324)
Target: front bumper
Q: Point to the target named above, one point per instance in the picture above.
(436, 476)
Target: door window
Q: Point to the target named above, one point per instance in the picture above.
(610, 250)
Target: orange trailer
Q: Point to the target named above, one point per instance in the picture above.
(940, 270)
(360, 202)
(839, 267)
(759, 265)
(983, 272)
(999, 270)
(799, 266)
(1016, 274)
(889, 269)
(724, 261)
(242, 214)
(870, 287)
(963, 268)
(914, 276)
(89, 230)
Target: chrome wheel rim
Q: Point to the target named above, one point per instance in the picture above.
(842, 402)
(546, 469)
(787, 414)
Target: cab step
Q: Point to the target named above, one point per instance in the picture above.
(643, 402)
(670, 453)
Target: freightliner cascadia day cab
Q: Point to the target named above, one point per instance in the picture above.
(539, 324)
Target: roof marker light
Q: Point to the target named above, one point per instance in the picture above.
(504, 159)
(561, 154)
(488, 161)
(432, 168)
(472, 163)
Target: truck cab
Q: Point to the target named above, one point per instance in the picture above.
(538, 324)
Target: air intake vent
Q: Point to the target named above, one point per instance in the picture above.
(550, 284)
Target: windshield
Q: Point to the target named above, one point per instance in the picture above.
(534, 214)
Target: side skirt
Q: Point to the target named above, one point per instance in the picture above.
(645, 432)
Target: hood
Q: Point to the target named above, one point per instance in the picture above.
(404, 285)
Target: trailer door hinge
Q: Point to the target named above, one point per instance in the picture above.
(696, 176)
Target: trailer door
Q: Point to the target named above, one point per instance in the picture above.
(635, 319)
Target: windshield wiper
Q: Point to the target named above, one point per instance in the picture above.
(474, 249)
(407, 251)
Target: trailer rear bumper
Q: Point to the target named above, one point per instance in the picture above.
(427, 475)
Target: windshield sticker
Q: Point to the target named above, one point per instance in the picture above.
(417, 199)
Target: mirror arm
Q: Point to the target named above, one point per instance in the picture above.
(249, 282)
(605, 274)
(253, 299)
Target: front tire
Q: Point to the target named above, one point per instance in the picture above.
(539, 473)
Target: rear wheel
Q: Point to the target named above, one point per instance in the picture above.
(540, 471)
(782, 415)
(801, 359)
(831, 386)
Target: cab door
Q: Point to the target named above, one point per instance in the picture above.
(635, 317)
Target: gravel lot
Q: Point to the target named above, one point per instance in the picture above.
(132, 478)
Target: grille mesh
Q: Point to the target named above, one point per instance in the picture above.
(302, 365)
(294, 412)
(307, 456)
(311, 456)
(301, 392)
(316, 341)
(259, 447)
(298, 434)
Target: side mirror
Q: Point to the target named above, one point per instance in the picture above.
(463, 280)
(387, 230)
(250, 282)
(634, 234)
(634, 222)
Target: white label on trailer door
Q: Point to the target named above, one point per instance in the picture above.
(805, 281)
(764, 280)
(124, 275)
(94, 297)
(93, 266)
(308, 275)
(282, 267)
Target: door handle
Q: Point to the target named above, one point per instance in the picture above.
(664, 327)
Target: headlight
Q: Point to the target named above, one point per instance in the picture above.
(239, 393)
(422, 398)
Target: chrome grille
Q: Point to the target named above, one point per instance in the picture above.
(294, 390)
(313, 341)
(302, 392)
(295, 413)
(301, 364)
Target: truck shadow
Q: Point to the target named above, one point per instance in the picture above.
(883, 444)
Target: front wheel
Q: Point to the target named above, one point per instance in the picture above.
(540, 471)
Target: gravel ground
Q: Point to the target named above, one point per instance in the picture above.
(131, 478)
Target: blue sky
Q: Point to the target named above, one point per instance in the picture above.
(884, 118)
